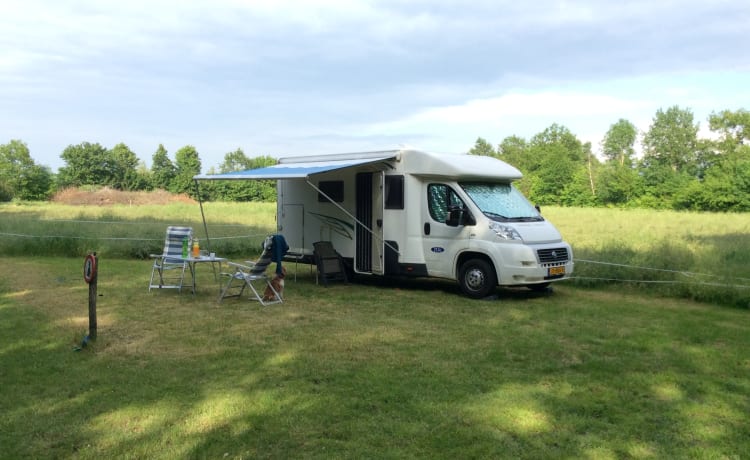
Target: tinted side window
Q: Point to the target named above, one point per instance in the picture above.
(394, 192)
(333, 188)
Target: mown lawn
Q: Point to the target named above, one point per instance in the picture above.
(376, 370)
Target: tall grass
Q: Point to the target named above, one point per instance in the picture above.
(695, 255)
(121, 231)
(701, 256)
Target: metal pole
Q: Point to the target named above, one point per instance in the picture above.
(333, 202)
(203, 216)
(92, 301)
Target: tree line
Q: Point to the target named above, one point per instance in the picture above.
(676, 170)
(92, 165)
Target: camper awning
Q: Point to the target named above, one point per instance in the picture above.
(299, 170)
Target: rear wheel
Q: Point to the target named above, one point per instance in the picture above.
(477, 278)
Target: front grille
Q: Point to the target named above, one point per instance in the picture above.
(553, 256)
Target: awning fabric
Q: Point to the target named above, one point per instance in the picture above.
(302, 170)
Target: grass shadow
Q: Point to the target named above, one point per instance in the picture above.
(364, 371)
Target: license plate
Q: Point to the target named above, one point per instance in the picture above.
(556, 271)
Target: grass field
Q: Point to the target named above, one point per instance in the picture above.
(380, 369)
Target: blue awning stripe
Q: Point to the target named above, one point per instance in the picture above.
(290, 170)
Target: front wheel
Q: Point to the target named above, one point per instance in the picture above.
(477, 278)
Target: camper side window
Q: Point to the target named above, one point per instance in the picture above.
(334, 189)
(394, 192)
(441, 199)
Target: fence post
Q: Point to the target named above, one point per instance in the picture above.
(90, 275)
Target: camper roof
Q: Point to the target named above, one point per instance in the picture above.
(458, 166)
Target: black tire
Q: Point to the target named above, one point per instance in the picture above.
(477, 278)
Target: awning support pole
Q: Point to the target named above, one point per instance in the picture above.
(354, 218)
(203, 216)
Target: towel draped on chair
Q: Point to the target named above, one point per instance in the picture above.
(279, 248)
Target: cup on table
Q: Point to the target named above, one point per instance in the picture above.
(212, 255)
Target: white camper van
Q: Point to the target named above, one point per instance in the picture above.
(413, 213)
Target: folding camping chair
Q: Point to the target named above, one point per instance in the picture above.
(169, 267)
(329, 261)
(274, 248)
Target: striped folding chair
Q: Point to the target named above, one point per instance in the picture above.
(168, 269)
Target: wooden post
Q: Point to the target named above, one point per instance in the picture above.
(90, 275)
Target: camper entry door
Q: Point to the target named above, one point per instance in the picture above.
(369, 234)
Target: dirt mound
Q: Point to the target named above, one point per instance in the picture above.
(107, 196)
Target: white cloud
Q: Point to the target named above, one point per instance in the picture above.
(328, 75)
(543, 104)
(523, 114)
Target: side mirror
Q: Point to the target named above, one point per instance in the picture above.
(538, 209)
(455, 217)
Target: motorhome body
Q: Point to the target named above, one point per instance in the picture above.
(414, 213)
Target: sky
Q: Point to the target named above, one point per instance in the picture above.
(291, 78)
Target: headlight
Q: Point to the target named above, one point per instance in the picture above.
(504, 231)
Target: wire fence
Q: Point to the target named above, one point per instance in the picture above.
(235, 240)
(124, 238)
(118, 238)
(685, 273)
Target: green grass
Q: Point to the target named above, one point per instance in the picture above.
(380, 370)
(121, 231)
(384, 369)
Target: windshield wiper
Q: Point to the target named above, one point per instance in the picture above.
(503, 218)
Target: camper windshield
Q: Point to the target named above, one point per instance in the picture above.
(501, 202)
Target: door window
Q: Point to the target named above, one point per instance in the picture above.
(441, 199)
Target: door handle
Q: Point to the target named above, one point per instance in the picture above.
(426, 228)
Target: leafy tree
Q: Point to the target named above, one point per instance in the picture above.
(733, 127)
(618, 184)
(672, 140)
(85, 164)
(263, 190)
(723, 179)
(123, 165)
(187, 165)
(6, 192)
(144, 176)
(20, 177)
(253, 190)
(482, 147)
(514, 150)
(726, 187)
(678, 169)
(555, 156)
(619, 142)
(662, 185)
(726, 183)
(163, 170)
(578, 192)
(36, 183)
(235, 161)
(734, 134)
